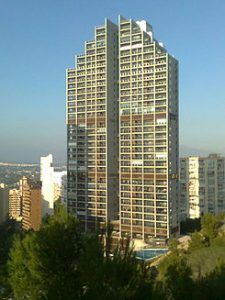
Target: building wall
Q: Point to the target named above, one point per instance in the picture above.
(35, 208)
(47, 189)
(31, 204)
(4, 203)
(204, 178)
(15, 204)
(148, 134)
(92, 130)
(59, 186)
(184, 189)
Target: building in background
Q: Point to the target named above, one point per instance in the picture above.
(31, 204)
(59, 185)
(184, 189)
(15, 204)
(202, 185)
(4, 202)
(92, 130)
(148, 134)
(47, 188)
(64, 191)
(133, 179)
(53, 185)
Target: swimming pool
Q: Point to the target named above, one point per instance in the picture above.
(148, 254)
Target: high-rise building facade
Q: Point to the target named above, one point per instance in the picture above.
(202, 185)
(92, 122)
(122, 120)
(15, 204)
(31, 204)
(148, 134)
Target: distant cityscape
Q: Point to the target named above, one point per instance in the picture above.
(28, 191)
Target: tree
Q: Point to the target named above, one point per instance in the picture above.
(58, 262)
(44, 264)
(209, 226)
(113, 273)
(177, 281)
(8, 230)
(212, 287)
(196, 242)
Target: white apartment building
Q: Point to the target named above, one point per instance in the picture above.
(53, 183)
(202, 186)
(59, 180)
(47, 188)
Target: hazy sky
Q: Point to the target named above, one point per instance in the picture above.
(38, 41)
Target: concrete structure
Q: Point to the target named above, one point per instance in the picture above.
(31, 204)
(124, 63)
(53, 183)
(47, 188)
(148, 134)
(202, 186)
(92, 124)
(64, 190)
(15, 204)
(4, 202)
(59, 185)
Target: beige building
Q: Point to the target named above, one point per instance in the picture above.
(92, 124)
(15, 204)
(122, 120)
(4, 202)
(31, 204)
(202, 186)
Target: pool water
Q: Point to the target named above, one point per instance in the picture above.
(148, 254)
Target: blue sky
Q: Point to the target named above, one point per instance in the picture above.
(40, 38)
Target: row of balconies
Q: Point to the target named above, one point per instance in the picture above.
(144, 157)
(136, 182)
(142, 170)
(146, 150)
(136, 78)
(139, 216)
(143, 94)
(90, 66)
(149, 210)
(143, 111)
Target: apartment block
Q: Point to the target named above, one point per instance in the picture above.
(148, 134)
(92, 122)
(52, 185)
(202, 185)
(47, 186)
(31, 204)
(15, 204)
(122, 122)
